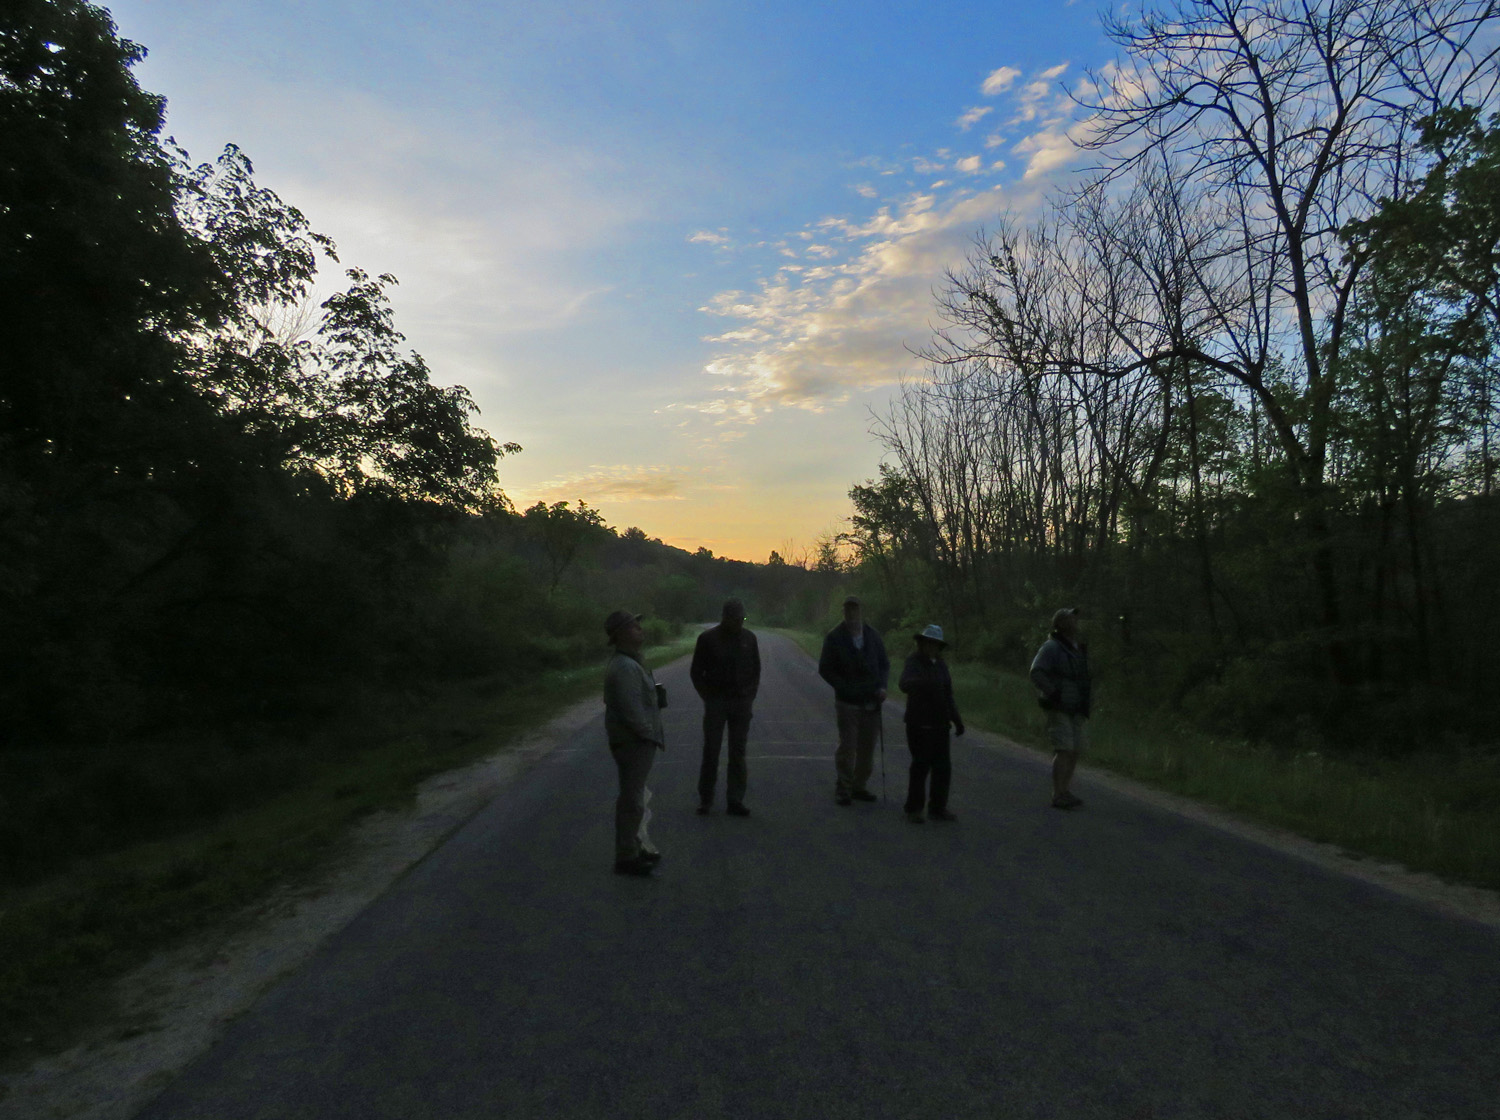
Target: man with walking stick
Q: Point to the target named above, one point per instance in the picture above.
(854, 662)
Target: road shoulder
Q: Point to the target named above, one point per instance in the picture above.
(1453, 899)
(175, 1007)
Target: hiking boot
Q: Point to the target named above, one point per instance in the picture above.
(640, 866)
(705, 809)
(843, 799)
(737, 810)
(864, 795)
(941, 815)
(1066, 801)
(653, 857)
(915, 817)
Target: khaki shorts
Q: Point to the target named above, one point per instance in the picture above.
(1068, 731)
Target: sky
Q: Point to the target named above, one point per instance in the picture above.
(682, 251)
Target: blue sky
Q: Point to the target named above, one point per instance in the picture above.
(676, 250)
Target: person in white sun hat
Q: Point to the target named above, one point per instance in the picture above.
(930, 710)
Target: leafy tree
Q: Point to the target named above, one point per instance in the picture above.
(98, 278)
(562, 533)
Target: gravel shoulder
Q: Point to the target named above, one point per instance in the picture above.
(174, 1008)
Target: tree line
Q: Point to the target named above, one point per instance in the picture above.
(1236, 389)
(223, 498)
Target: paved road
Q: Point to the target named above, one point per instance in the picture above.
(820, 962)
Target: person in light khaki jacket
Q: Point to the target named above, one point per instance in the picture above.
(632, 721)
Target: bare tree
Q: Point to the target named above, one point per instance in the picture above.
(1304, 115)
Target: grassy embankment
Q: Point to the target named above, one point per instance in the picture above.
(64, 937)
(1430, 813)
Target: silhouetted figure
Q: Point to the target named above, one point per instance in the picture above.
(930, 709)
(632, 720)
(726, 674)
(1060, 672)
(855, 664)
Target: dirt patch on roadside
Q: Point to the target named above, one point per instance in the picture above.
(175, 1007)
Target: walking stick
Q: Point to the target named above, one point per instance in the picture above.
(882, 753)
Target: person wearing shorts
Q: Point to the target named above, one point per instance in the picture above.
(1060, 672)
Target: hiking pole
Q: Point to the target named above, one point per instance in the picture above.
(881, 725)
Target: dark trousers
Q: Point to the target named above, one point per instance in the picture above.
(929, 755)
(717, 715)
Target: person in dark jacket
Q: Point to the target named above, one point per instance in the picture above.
(726, 674)
(930, 709)
(1060, 672)
(854, 662)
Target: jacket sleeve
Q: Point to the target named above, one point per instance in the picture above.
(625, 697)
(911, 676)
(1043, 672)
(754, 686)
(953, 716)
(698, 673)
(828, 663)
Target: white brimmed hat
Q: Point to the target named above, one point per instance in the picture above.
(934, 632)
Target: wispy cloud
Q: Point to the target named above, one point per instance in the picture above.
(999, 81)
(1039, 96)
(485, 232)
(813, 337)
(810, 341)
(622, 483)
(973, 116)
(708, 237)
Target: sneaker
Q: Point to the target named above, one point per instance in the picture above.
(843, 799)
(705, 809)
(864, 795)
(1066, 801)
(915, 818)
(737, 810)
(640, 866)
(941, 815)
(653, 858)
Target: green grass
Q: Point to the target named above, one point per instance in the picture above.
(64, 938)
(810, 642)
(1438, 813)
(1430, 813)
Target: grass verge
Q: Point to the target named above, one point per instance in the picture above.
(62, 940)
(1429, 813)
(1436, 813)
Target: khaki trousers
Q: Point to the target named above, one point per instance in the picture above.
(632, 811)
(855, 757)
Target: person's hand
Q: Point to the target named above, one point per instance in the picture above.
(958, 727)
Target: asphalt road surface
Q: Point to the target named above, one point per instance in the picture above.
(817, 961)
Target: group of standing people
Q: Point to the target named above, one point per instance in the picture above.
(725, 673)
